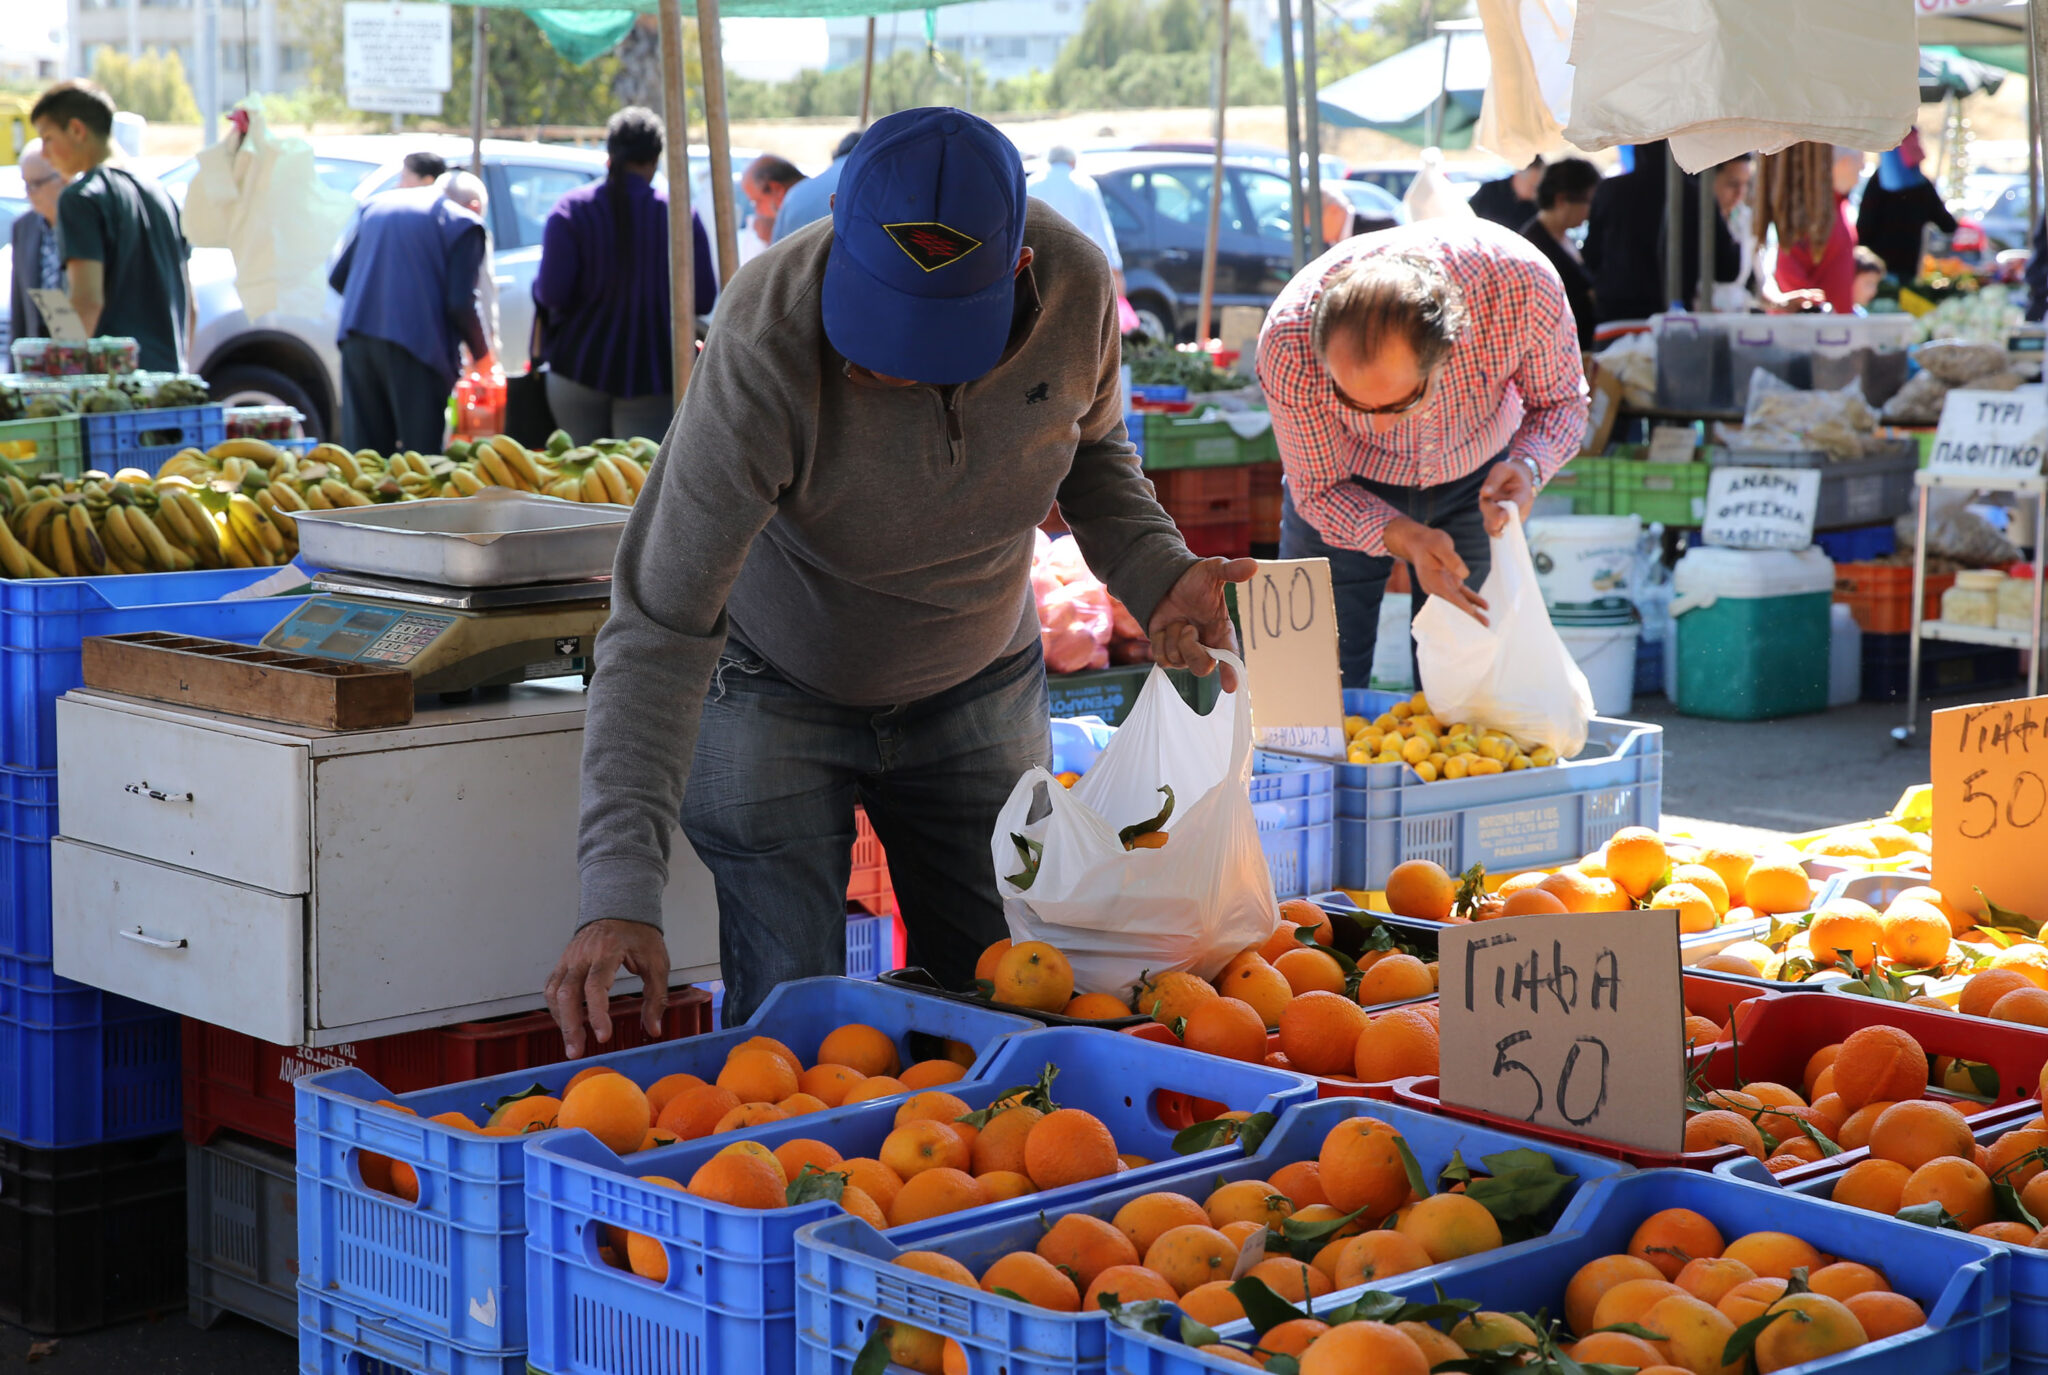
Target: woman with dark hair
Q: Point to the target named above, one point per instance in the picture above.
(1563, 200)
(601, 298)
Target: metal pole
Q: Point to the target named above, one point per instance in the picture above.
(1440, 112)
(478, 61)
(206, 76)
(1216, 176)
(1291, 93)
(867, 76)
(682, 243)
(1674, 229)
(719, 137)
(2037, 102)
(1710, 216)
(1312, 128)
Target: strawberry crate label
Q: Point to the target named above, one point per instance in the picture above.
(1572, 1021)
(1287, 620)
(1989, 766)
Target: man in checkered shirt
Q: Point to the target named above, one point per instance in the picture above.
(1419, 378)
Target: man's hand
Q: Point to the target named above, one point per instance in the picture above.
(1433, 557)
(1193, 616)
(582, 983)
(1508, 482)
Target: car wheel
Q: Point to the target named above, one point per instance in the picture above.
(245, 384)
(1155, 319)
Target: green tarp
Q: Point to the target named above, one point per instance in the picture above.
(585, 30)
(583, 35)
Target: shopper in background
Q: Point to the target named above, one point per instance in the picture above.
(1418, 378)
(1898, 205)
(467, 191)
(2037, 273)
(1075, 195)
(1624, 248)
(124, 249)
(766, 181)
(1870, 274)
(822, 598)
(601, 296)
(1510, 201)
(1563, 199)
(1833, 272)
(407, 275)
(38, 260)
(1732, 180)
(421, 169)
(811, 198)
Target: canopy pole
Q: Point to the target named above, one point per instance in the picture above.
(1674, 228)
(719, 137)
(867, 76)
(1292, 95)
(2037, 105)
(477, 63)
(1710, 214)
(682, 242)
(1312, 129)
(1439, 113)
(1216, 177)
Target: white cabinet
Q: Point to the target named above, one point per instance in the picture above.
(314, 887)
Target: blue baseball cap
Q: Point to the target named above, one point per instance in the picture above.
(927, 226)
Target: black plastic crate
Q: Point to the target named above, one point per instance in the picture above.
(91, 1235)
(242, 1232)
(1944, 667)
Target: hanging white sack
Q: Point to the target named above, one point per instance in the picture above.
(1529, 92)
(1066, 878)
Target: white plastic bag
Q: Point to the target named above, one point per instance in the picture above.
(1514, 675)
(1431, 196)
(1117, 913)
(260, 196)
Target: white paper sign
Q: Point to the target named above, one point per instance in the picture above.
(1672, 444)
(1761, 508)
(1287, 619)
(1991, 434)
(394, 100)
(396, 49)
(58, 314)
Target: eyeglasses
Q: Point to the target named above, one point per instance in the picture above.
(1421, 394)
(38, 183)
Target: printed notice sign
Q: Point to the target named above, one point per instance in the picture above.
(396, 57)
(1287, 619)
(1991, 434)
(1989, 765)
(1761, 508)
(1574, 1021)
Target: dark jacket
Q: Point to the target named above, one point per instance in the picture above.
(2037, 274)
(1625, 240)
(1578, 287)
(1891, 224)
(1497, 201)
(24, 321)
(407, 274)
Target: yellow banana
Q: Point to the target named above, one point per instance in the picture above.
(340, 495)
(161, 554)
(231, 551)
(465, 482)
(514, 453)
(250, 520)
(17, 560)
(85, 542)
(592, 488)
(206, 535)
(287, 497)
(37, 518)
(490, 463)
(343, 462)
(316, 500)
(630, 469)
(17, 492)
(614, 484)
(287, 527)
(260, 452)
(60, 549)
(122, 539)
(135, 477)
(566, 488)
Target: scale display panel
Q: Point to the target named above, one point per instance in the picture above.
(359, 633)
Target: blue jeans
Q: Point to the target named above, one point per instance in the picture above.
(770, 802)
(1359, 581)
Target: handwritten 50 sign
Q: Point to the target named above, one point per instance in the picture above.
(1989, 765)
(1572, 1021)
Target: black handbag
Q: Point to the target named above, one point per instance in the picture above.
(528, 417)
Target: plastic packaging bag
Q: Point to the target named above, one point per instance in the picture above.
(1115, 913)
(1431, 196)
(260, 196)
(1515, 674)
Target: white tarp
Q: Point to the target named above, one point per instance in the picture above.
(261, 198)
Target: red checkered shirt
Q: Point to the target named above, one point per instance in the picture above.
(1514, 382)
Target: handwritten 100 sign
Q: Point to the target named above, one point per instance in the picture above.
(1572, 1021)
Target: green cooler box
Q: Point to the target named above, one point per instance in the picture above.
(1752, 632)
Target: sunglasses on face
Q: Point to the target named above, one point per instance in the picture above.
(1402, 407)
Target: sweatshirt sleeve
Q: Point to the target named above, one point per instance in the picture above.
(712, 489)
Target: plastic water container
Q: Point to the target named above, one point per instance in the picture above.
(1606, 654)
(1586, 563)
(1845, 655)
(1753, 632)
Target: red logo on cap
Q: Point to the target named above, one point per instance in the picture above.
(931, 246)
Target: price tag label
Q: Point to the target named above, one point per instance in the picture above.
(1991, 434)
(59, 314)
(1672, 444)
(1574, 1021)
(1761, 508)
(1989, 766)
(1287, 618)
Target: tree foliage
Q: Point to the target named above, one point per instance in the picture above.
(1397, 25)
(152, 85)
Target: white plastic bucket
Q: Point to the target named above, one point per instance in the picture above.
(1585, 563)
(1606, 654)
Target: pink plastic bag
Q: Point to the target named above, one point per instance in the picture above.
(1073, 625)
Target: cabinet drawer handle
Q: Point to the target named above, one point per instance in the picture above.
(160, 942)
(143, 789)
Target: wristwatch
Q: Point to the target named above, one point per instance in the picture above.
(1535, 473)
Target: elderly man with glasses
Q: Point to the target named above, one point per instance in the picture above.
(38, 262)
(1420, 380)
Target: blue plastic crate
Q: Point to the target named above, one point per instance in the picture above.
(28, 818)
(79, 1066)
(116, 439)
(453, 1265)
(729, 1303)
(1386, 815)
(870, 946)
(846, 1276)
(1077, 742)
(44, 621)
(1960, 1281)
(336, 1338)
(1294, 801)
(1649, 667)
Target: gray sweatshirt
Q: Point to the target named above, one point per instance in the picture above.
(872, 544)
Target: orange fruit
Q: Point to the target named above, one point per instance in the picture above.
(1917, 1131)
(1747, 1300)
(1088, 1246)
(1615, 1348)
(1706, 1130)
(1247, 1200)
(1450, 1226)
(915, 1147)
(1708, 881)
(1034, 1279)
(930, 1074)
(645, 1256)
(1776, 885)
(760, 1153)
(1733, 867)
(1883, 1314)
(1959, 917)
(1672, 1238)
(1150, 1216)
(739, 1181)
(1630, 1299)
(1319, 1032)
(1701, 1032)
(1773, 1255)
(1636, 860)
(2034, 1196)
(861, 1047)
(1310, 971)
(1302, 1182)
(794, 1155)
(1006, 1184)
(1530, 900)
(1000, 1144)
(855, 1200)
(1823, 1328)
(1378, 1255)
(2028, 959)
(1227, 1028)
(985, 965)
(1033, 975)
(1357, 1346)
(1984, 988)
(1300, 912)
(1068, 1147)
(1709, 1278)
(1592, 1281)
(749, 1115)
(829, 1084)
(1212, 1304)
(757, 1076)
(611, 1108)
(1293, 1280)
(1845, 1279)
(1421, 890)
(1695, 909)
(1259, 984)
(2011, 1233)
(1879, 1062)
(873, 1087)
(934, 1105)
(2028, 1006)
(1169, 997)
(1361, 1168)
(1695, 1333)
(872, 1178)
(590, 1072)
(1396, 1045)
(1096, 1007)
(531, 1114)
(798, 1104)
(1856, 1128)
(1395, 978)
(1127, 1284)
(1847, 928)
(935, 1193)
(938, 1265)
(1721, 962)
(668, 1086)
(696, 1112)
(1958, 1186)
(2010, 1148)
(1516, 883)
(1916, 934)
(1821, 1059)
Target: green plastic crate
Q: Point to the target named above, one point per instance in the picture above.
(1173, 441)
(1110, 693)
(1589, 482)
(1674, 493)
(44, 446)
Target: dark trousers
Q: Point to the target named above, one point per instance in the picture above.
(1359, 581)
(390, 400)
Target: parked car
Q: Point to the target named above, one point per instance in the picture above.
(1395, 177)
(1372, 208)
(1256, 154)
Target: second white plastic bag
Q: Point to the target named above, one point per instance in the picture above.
(1116, 913)
(1512, 675)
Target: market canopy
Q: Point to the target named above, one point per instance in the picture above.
(1399, 95)
(584, 30)
(1946, 72)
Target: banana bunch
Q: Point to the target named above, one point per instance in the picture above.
(131, 523)
(611, 470)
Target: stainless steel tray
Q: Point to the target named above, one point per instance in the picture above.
(497, 538)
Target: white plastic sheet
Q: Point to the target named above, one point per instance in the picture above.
(1529, 94)
(261, 198)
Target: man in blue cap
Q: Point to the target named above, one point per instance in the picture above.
(823, 597)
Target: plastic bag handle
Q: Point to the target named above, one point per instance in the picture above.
(1241, 725)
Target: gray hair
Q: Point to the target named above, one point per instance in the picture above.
(1060, 152)
(1391, 295)
(466, 189)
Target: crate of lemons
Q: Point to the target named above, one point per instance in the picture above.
(1409, 733)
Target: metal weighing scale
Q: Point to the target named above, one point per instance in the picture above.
(463, 593)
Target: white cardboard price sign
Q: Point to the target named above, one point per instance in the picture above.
(1761, 508)
(59, 314)
(1991, 434)
(1573, 1021)
(392, 48)
(1287, 618)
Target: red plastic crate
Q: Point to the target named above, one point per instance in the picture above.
(869, 884)
(1880, 595)
(1265, 503)
(1205, 496)
(238, 1083)
(1233, 541)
